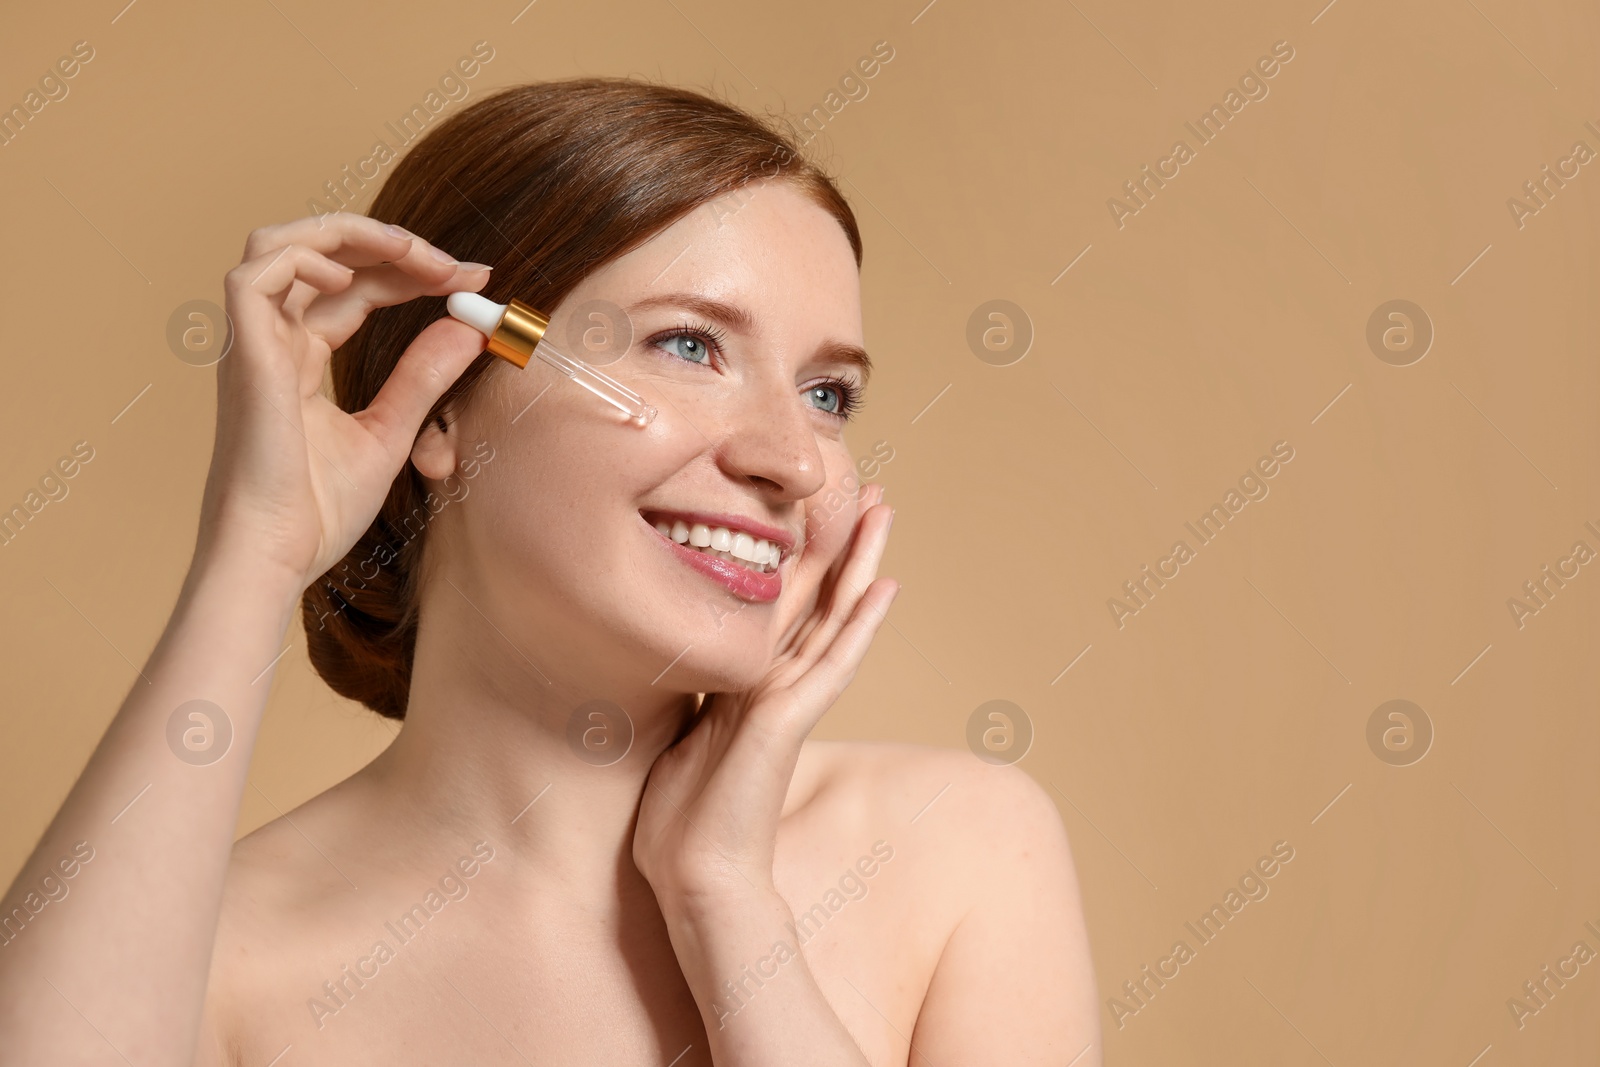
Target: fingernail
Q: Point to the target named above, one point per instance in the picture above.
(891, 520)
(396, 231)
(442, 256)
(476, 266)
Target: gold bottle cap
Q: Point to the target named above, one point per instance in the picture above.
(520, 330)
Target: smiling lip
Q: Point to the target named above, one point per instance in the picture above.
(760, 531)
(741, 581)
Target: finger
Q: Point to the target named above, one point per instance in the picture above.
(356, 241)
(428, 367)
(867, 494)
(361, 235)
(298, 297)
(335, 317)
(256, 288)
(860, 568)
(271, 274)
(810, 696)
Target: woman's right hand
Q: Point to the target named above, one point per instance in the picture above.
(295, 480)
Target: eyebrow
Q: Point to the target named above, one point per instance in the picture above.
(737, 318)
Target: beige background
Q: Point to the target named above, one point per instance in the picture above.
(1223, 317)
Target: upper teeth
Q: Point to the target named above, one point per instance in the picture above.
(721, 541)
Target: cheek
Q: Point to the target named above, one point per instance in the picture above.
(549, 499)
(830, 517)
(831, 514)
(830, 520)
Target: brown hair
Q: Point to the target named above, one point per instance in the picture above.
(547, 182)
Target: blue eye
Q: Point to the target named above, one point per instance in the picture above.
(846, 396)
(692, 342)
(688, 345)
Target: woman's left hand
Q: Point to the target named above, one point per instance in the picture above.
(708, 819)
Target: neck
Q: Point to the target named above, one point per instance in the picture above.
(526, 755)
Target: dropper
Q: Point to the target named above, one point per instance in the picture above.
(516, 332)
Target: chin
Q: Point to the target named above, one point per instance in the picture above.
(713, 677)
(726, 660)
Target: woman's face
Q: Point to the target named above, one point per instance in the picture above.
(743, 316)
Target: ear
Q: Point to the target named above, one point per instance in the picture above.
(435, 454)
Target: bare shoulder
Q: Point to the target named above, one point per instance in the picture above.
(987, 890)
(952, 790)
(288, 867)
(283, 895)
(961, 818)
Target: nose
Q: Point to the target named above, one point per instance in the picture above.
(770, 440)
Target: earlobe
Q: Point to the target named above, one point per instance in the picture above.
(434, 454)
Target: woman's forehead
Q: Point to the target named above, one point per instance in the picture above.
(765, 242)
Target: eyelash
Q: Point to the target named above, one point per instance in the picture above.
(850, 394)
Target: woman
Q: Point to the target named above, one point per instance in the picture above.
(566, 856)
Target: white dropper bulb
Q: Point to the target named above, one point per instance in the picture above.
(479, 312)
